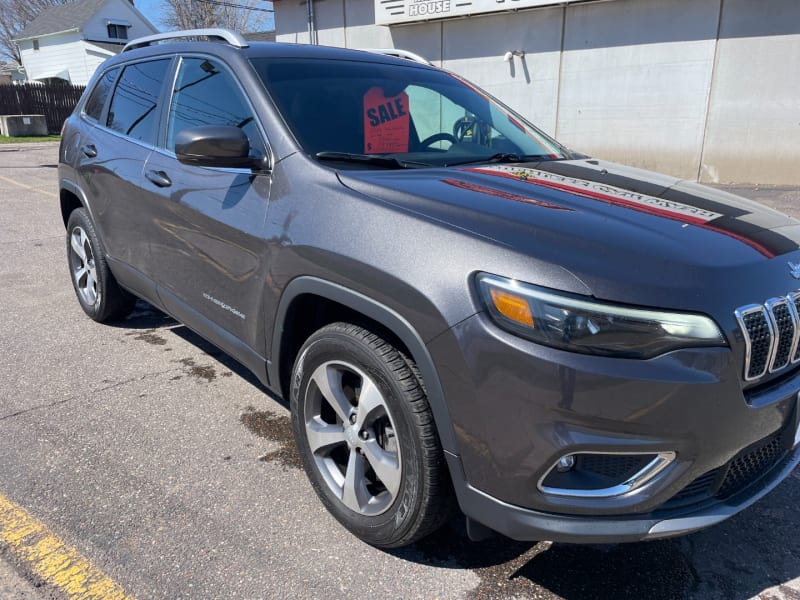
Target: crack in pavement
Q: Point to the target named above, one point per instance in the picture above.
(44, 239)
(97, 391)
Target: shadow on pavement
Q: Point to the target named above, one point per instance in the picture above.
(736, 560)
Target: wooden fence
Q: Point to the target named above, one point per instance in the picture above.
(53, 100)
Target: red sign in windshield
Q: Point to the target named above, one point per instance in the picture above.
(386, 122)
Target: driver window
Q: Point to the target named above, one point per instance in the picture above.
(205, 94)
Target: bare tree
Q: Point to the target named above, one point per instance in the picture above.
(239, 15)
(14, 16)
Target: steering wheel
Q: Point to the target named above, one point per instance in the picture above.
(438, 137)
(466, 126)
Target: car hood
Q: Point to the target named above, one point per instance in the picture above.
(627, 234)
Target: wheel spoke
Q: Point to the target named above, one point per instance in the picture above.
(322, 437)
(385, 465)
(80, 272)
(76, 242)
(91, 282)
(370, 404)
(329, 382)
(90, 293)
(354, 491)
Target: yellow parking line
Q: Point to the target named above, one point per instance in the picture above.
(27, 187)
(51, 559)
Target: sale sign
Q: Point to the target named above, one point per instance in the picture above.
(386, 122)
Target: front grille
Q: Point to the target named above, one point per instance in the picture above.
(771, 333)
(745, 469)
(727, 480)
(795, 298)
(700, 488)
(784, 327)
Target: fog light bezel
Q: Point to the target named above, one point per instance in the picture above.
(655, 467)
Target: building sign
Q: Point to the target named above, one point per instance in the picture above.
(390, 12)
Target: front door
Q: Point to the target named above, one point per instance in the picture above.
(206, 247)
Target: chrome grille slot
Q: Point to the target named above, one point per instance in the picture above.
(771, 334)
(794, 298)
(783, 324)
(758, 338)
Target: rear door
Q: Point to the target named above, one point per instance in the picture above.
(119, 136)
(206, 246)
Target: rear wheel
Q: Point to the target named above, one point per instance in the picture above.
(367, 438)
(98, 293)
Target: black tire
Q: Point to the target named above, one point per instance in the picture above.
(356, 360)
(98, 293)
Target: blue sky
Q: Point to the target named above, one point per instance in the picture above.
(152, 10)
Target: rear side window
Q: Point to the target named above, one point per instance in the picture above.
(100, 93)
(206, 94)
(133, 106)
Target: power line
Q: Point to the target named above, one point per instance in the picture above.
(234, 5)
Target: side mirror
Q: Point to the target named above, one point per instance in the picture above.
(215, 146)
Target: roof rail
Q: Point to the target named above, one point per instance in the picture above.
(400, 54)
(231, 37)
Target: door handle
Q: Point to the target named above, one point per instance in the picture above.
(159, 178)
(89, 150)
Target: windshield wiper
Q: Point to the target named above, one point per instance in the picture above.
(503, 157)
(370, 159)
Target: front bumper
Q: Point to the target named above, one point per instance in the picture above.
(528, 525)
(517, 407)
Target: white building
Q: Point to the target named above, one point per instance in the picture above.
(71, 40)
(702, 89)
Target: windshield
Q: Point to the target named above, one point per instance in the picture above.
(417, 115)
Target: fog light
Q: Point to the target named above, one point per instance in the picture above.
(565, 463)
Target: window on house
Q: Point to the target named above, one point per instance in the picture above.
(119, 32)
(35, 45)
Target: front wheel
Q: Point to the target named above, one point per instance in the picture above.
(367, 438)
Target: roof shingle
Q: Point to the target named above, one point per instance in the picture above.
(61, 18)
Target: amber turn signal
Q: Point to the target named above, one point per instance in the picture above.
(512, 306)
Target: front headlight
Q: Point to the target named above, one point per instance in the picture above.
(584, 325)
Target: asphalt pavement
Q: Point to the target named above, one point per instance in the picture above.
(165, 464)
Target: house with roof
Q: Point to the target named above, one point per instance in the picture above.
(11, 73)
(70, 41)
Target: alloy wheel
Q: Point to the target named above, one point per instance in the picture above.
(352, 437)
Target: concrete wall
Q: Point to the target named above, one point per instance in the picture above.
(753, 131)
(706, 89)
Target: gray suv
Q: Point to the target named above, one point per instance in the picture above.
(459, 310)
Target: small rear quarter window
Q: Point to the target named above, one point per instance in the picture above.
(102, 89)
(134, 105)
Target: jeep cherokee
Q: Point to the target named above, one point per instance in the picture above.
(459, 309)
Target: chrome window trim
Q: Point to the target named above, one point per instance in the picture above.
(646, 474)
(741, 313)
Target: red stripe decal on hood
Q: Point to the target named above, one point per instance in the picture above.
(652, 205)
